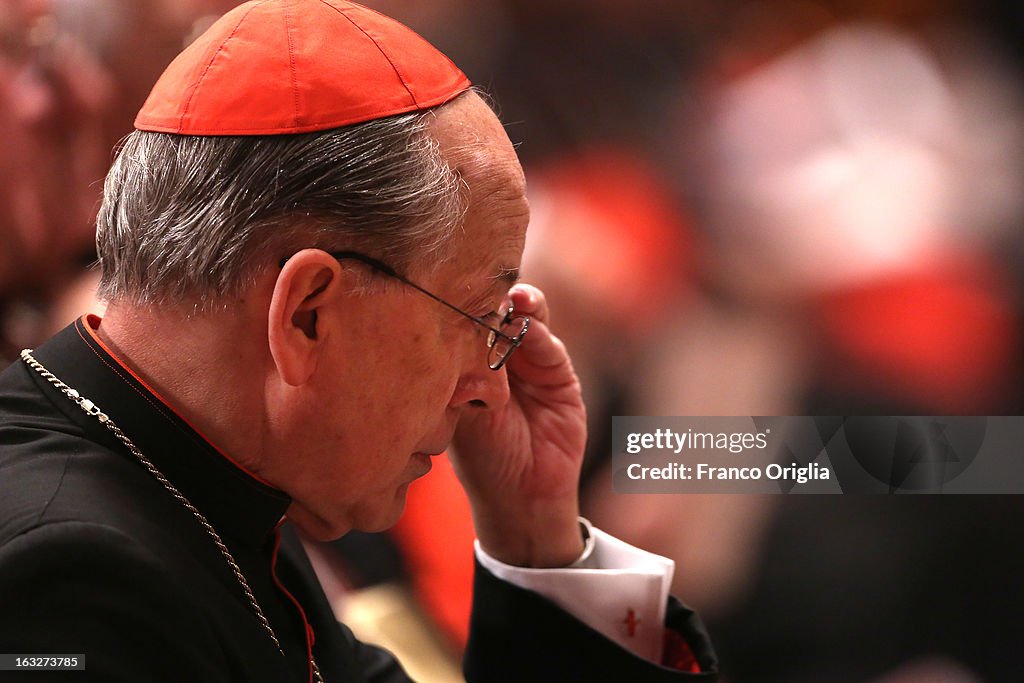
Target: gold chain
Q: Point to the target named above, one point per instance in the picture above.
(92, 409)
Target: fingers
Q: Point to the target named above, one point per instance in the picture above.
(531, 302)
(541, 348)
(542, 359)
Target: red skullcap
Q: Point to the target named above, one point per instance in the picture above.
(273, 67)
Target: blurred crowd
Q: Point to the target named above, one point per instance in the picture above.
(72, 75)
(740, 207)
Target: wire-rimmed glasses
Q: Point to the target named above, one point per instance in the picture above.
(502, 339)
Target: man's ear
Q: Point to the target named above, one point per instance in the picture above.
(309, 280)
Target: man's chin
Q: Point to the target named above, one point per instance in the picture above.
(385, 517)
(371, 519)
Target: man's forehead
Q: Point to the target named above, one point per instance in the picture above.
(477, 149)
(473, 140)
(492, 267)
(482, 266)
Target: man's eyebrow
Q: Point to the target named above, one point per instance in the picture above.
(507, 275)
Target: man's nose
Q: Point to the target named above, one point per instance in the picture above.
(482, 388)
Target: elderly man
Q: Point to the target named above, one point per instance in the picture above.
(310, 249)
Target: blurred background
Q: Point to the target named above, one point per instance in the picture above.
(754, 208)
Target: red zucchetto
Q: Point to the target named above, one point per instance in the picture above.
(272, 67)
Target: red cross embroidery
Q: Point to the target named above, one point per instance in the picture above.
(631, 623)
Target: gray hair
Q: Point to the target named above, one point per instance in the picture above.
(196, 219)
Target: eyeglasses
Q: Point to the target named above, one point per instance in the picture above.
(501, 340)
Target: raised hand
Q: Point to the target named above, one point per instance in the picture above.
(520, 463)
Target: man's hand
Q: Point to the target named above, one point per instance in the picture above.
(520, 464)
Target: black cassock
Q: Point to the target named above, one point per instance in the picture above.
(98, 558)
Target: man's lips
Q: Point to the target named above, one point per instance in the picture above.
(437, 447)
(423, 458)
(424, 462)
